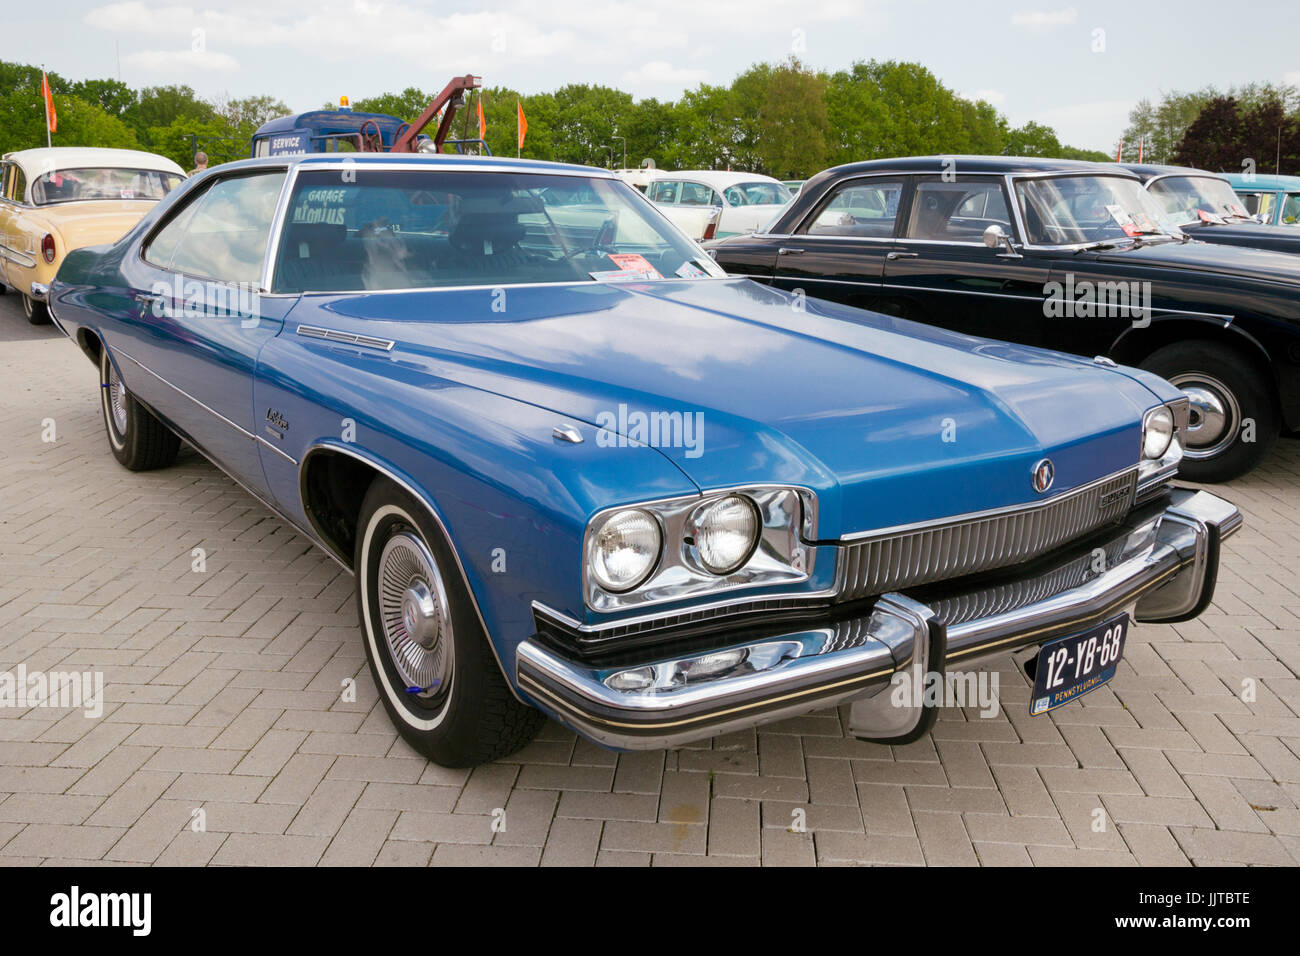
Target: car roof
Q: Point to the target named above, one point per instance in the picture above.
(1262, 181)
(715, 178)
(50, 158)
(1012, 165)
(399, 160)
(1150, 171)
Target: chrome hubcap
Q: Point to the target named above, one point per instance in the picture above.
(1213, 417)
(117, 399)
(415, 617)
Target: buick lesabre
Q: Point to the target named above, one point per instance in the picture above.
(578, 472)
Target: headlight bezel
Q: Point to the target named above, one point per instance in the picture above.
(781, 553)
(695, 529)
(1161, 412)
(593, 543)
(1155, 473)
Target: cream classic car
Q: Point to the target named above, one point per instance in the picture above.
(714, 205)
(58, 199)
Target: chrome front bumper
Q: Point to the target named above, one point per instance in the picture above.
(1162, 564)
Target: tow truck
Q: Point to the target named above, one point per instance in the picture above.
(345, 131)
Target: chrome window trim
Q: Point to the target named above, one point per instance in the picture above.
(860, 536)
(1012, 178)
(268, 276)
(800, 229)
(207, 183)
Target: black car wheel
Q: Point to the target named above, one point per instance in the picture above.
(138, 439)
(428, 651)
(35, 311)
(1233, 419)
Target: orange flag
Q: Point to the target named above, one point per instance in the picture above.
(51, 117)
(1119, 152)
(482, 123)
(523, 124)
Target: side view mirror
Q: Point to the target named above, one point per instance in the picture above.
(995, 236)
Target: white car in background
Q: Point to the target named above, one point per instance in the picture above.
(641, 177)
(709, 205)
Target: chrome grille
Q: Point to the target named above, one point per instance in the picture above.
(973, 543)
(1001, 598)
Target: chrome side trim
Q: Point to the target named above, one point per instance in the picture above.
(429, 507)
(17, 258)
(351, 338)
(257, 439)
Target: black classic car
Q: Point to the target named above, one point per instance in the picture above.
(1073, 256)
(1203, 205)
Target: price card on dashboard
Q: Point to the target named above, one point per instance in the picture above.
(634, 262)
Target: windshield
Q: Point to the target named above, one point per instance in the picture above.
(68, 185)
(416, 229)
(1064, 210)
(1187, 199)
(758, 194)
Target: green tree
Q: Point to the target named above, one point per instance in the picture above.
(1214, 139)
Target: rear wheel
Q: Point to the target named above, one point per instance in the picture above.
(426, 647)
(138, 439)
(36, 312)
(1233, 419)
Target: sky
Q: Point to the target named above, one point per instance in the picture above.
(1078, 67)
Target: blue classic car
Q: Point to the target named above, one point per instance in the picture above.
(577, 471)
(1274, 199)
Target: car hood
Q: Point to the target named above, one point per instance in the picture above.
(889, 421)
(1246, 233)
(1211, 258)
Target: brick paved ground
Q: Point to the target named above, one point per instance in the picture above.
(223, 688)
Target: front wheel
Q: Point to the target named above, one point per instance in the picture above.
(427, 650)
(139, 441)
(1233, 419)
(36, 312)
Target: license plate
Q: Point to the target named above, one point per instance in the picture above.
(1072, 666)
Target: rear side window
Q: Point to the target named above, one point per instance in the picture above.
(859, 209)
(956, 211)
(223, 233)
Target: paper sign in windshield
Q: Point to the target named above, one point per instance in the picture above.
(634, 262)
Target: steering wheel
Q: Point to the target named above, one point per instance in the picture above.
(371, 142)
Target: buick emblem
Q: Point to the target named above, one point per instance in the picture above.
(1044, 472)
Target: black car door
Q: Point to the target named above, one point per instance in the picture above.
(838, 251)
(942, 273)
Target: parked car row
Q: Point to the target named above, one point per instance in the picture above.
(55, 200)
(1072, 256)
(578, 470)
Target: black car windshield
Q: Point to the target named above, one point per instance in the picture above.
(427, 228)
(106, 182)
(1188, 199)
(1068, 210)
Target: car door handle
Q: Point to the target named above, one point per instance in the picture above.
(901, 255)
(787, 251)
(148, 301)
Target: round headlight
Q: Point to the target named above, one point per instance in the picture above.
(1157, 433)
(725, 533)
(624, 549)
